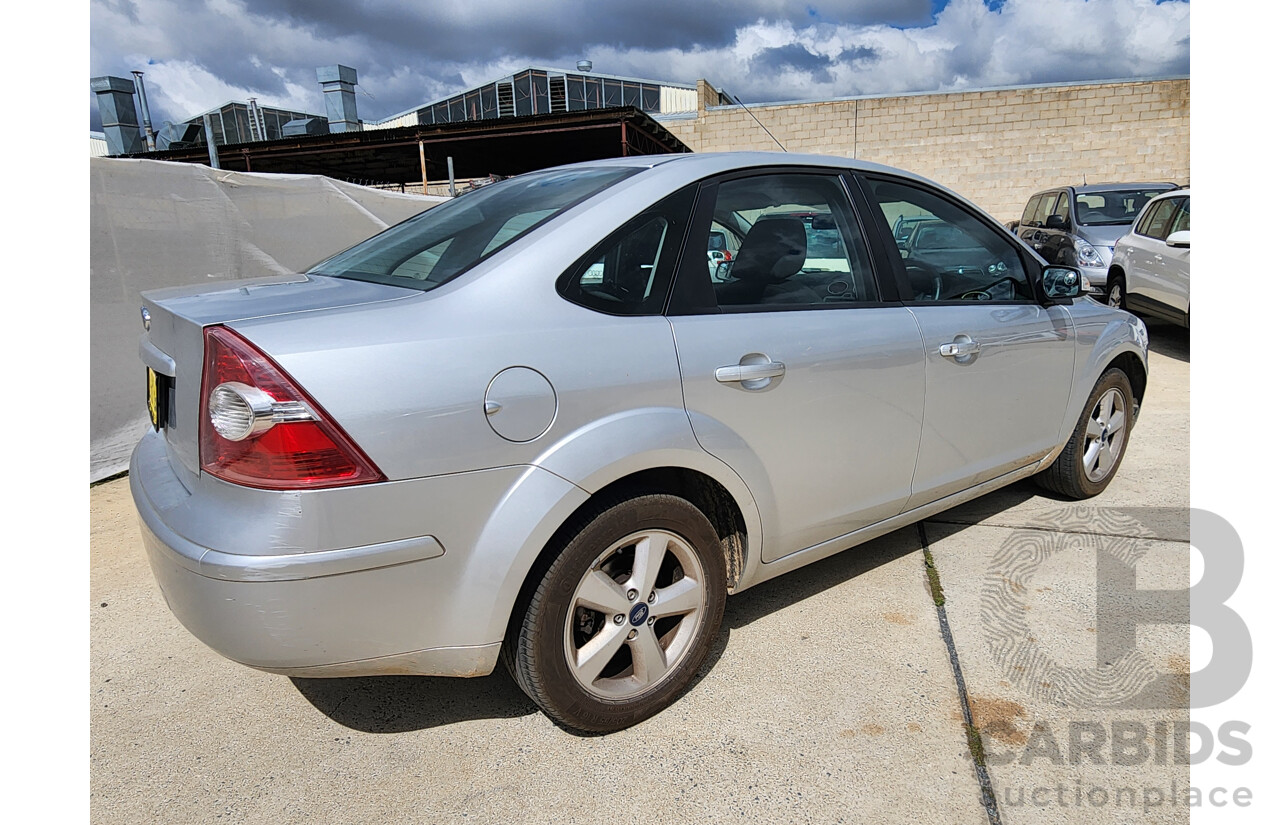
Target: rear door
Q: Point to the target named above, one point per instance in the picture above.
(798, 370)
(997, 365)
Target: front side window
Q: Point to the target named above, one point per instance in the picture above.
(1029, 214)
(1046, 208)
(1182, 220)
(951, 254)
(447, 240)
(1063, 209)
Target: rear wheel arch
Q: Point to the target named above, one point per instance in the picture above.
(586, 644)
(705, 493)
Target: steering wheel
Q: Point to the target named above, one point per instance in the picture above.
(926, 282)
(984, 294)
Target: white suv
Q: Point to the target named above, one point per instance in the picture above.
(1151, 270)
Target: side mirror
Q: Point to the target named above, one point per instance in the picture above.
(1062, 284)
(722, 271)
(1179, 240)
(1055, 222)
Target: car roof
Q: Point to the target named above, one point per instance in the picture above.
(1109, 187)
(1180, 191)
(699, 165)
(711, 163)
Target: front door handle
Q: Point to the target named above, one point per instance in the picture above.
(959, 349)
(746, 373)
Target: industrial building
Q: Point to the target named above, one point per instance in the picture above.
(994, 145)
(536, 90)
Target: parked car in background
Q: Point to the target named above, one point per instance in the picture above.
(530, 424)
(717, 250)
(1079, 225)
(1150, 273)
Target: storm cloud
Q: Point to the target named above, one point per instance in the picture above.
(198, 54)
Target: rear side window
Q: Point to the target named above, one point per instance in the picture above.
(798, 244)
(447, 240)
(1159, 221)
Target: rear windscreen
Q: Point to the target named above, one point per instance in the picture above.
(445, 241)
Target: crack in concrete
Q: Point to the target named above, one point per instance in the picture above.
(1176, 540)
(971, 732)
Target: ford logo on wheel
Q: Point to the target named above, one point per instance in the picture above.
(639, 613)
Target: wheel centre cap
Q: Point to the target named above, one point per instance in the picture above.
(639, 613)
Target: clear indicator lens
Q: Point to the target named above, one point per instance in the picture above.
(235, 415)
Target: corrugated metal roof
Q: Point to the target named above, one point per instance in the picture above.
(670, 84)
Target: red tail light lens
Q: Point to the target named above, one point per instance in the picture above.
(301, 448)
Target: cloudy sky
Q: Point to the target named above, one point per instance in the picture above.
(198, 54)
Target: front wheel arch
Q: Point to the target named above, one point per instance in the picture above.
(1116, 283)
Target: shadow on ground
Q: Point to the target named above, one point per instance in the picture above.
(1169, 340)
(398, 704)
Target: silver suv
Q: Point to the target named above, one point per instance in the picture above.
(1151, 271)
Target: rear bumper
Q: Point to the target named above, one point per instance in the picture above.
(370, 609)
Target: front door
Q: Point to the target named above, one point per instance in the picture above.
(998, 365)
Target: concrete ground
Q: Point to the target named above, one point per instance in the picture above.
(831, 696)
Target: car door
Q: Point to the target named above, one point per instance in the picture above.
(796, 371)
(998, 365)
(1050, 241)
(1161, 273)
(1177, 261)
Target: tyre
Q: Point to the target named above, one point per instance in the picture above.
(626, 613)
(1115, 291)
(1092, 456)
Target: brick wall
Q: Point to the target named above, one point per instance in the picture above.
(995, 147)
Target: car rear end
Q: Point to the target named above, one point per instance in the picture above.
(275, 538)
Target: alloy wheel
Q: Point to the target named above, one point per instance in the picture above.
(634, 614)
(1104, 435)
(1115, 295)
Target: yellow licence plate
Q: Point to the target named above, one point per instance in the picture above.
(153, 398)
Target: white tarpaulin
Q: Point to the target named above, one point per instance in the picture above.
(156, 224)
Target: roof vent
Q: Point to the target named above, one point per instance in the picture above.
(584, 65)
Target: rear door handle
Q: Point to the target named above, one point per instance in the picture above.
(749, 372)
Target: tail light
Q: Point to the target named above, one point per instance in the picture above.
(258, 427)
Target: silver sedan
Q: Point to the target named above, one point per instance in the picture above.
(533, 424)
